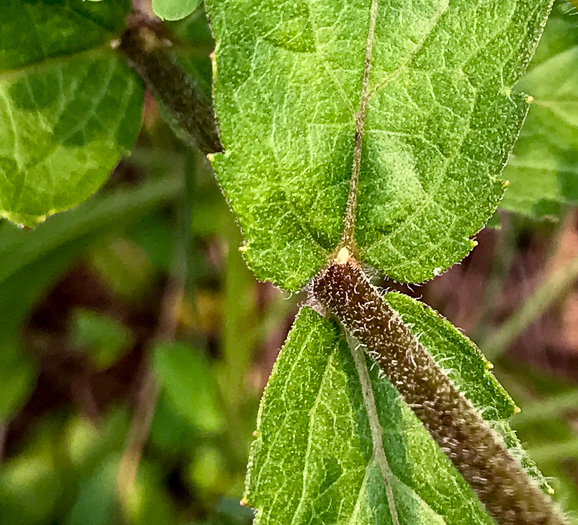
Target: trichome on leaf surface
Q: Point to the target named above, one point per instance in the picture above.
(351, 134)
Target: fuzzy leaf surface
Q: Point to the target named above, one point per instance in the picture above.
(313, 460)
(543, 170)
(440, 119)
(69, 105)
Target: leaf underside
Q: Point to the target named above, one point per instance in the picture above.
(69, 105)
(313, 459)
(440, 121)
(543, 169)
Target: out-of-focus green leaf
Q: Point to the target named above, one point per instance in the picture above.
(208, 469)
(69, 105)
(174, 9)
(29, 490)
(97, 496)
(543, 169)
(20, 248)
(149, 502)
(105, 339)
(228, 511)
(31, 261)
(17, 377)
(87, 446)
(171, 433)
(186, 377)
(124, 266)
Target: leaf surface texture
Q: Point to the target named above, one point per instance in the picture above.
(69, 105)
(314, 459)
(425, 86)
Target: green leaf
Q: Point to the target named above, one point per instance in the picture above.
(97, 493)
(30, 489)
(105, 339)
(543, 169)
(185, 376)
(150, 501)
(441, 118)
(18, 375)
(174, 9)
(69, 105)
(313, 459)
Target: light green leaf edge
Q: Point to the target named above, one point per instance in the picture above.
(174, 9)
(441, 121)
(312, 460)
(69, 105)
(543, 169)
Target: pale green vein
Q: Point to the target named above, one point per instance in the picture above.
(405, 66)
(312, 414)
(360, 118)
(324, 61)
(374, 425)
(15, 139)
(100, 51)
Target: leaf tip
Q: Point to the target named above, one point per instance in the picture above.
(505, 184)
(243, 502)
(517, 409)
(489, 366)
(529, 99)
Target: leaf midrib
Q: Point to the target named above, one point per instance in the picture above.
(348, 237)
(35, 67)
(360, 118)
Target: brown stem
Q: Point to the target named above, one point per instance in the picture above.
(148, 394)
(149, 54)
(510, 495)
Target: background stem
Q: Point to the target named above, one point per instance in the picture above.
(550, 290)
(149, 54)
(166, 331)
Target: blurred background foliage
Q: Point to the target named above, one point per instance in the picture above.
(132, 334)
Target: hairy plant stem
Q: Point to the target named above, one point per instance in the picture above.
(509, 495)
(149, 54)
